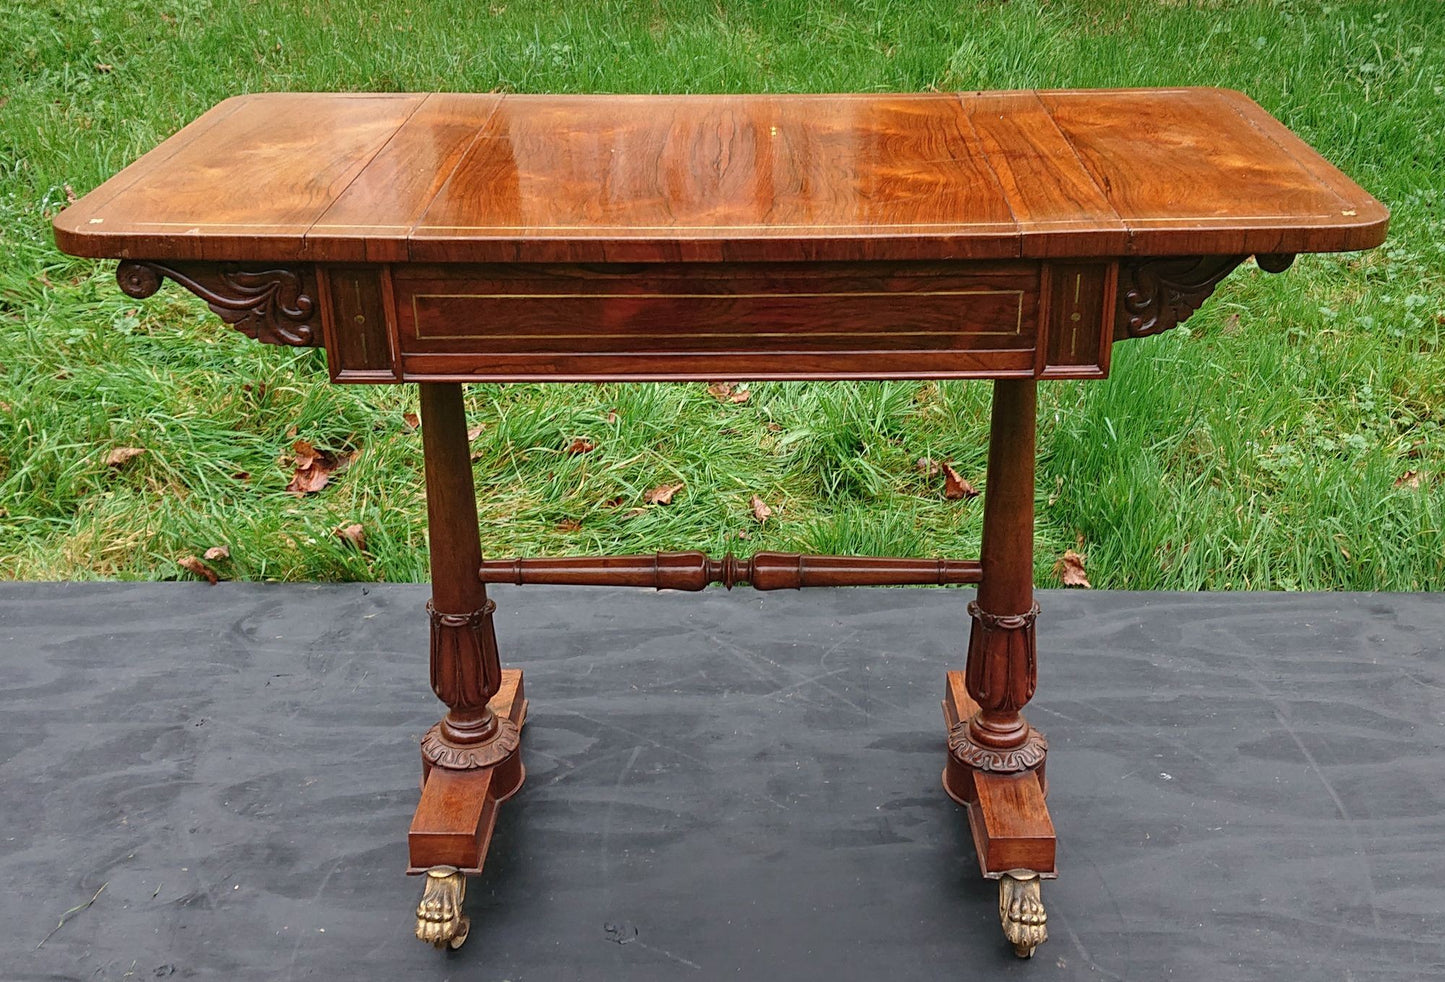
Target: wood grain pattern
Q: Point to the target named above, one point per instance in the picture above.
(246, 187)
(715, 320)
(694, 178)
(1058, 208)
(586, 179)
(371, 218)
(1189, 174)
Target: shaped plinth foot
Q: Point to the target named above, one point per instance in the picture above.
(1021, 911)
(439, 918)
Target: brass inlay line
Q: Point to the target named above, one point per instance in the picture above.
(539, 229)
(1009, 224)
(1016, 332)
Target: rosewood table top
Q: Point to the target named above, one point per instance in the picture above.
(740, 178)
(448, 238)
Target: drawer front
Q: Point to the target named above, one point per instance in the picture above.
(716, 321)
(505, 322)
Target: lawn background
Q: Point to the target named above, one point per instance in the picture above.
(1289, 437)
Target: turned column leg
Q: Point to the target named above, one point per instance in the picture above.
(470, 760)
(1002, 667)
(995, 758)
(466, 671)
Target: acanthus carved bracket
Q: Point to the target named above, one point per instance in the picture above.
(1157, 294)
(274, 306)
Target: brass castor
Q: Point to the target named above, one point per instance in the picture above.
(439, 918)
(1021, 909)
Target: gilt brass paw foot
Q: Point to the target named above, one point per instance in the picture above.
(1021, 909)
(439, 918)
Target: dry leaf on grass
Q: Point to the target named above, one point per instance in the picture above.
(411, 420)
(633, 513)
(926, 466)
(1409, 479)
(194, 565)
(474, 432)
(1070, 569)
(611, 416)
(569, 525)
(218, 552)
(760, 510)
(662, 494)
(314, 467)
(581, 445)
(727, 392)
(352, 533)
(955, 485)
(121, 456)
(616, 502)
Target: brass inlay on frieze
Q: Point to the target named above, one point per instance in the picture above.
(1016, 332)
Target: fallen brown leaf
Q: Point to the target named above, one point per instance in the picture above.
(69, 195)
(569, 525)
(103, 68)
(727, 392)
(474, 432)
(1070, 569)
(614, 502)
(926, 466)
(241, 476)
(581, 445)
(412, 420)
(955, 485)
(1409, 479)
(760, 510)
(314, 467)
(194, 565)
(611, 416)
(662, 494)
(633, 513)
(121, 456)
(353, 534)
(218, 552)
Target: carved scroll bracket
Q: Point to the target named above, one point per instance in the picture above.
(274, 306)
(1157, 294)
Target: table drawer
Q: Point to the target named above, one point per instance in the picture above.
(704, 321)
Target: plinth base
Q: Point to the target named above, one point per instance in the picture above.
(1006, 812)
(458, 809)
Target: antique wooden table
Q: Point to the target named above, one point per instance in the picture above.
(447, 238)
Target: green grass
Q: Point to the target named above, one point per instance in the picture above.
(1260, 448)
